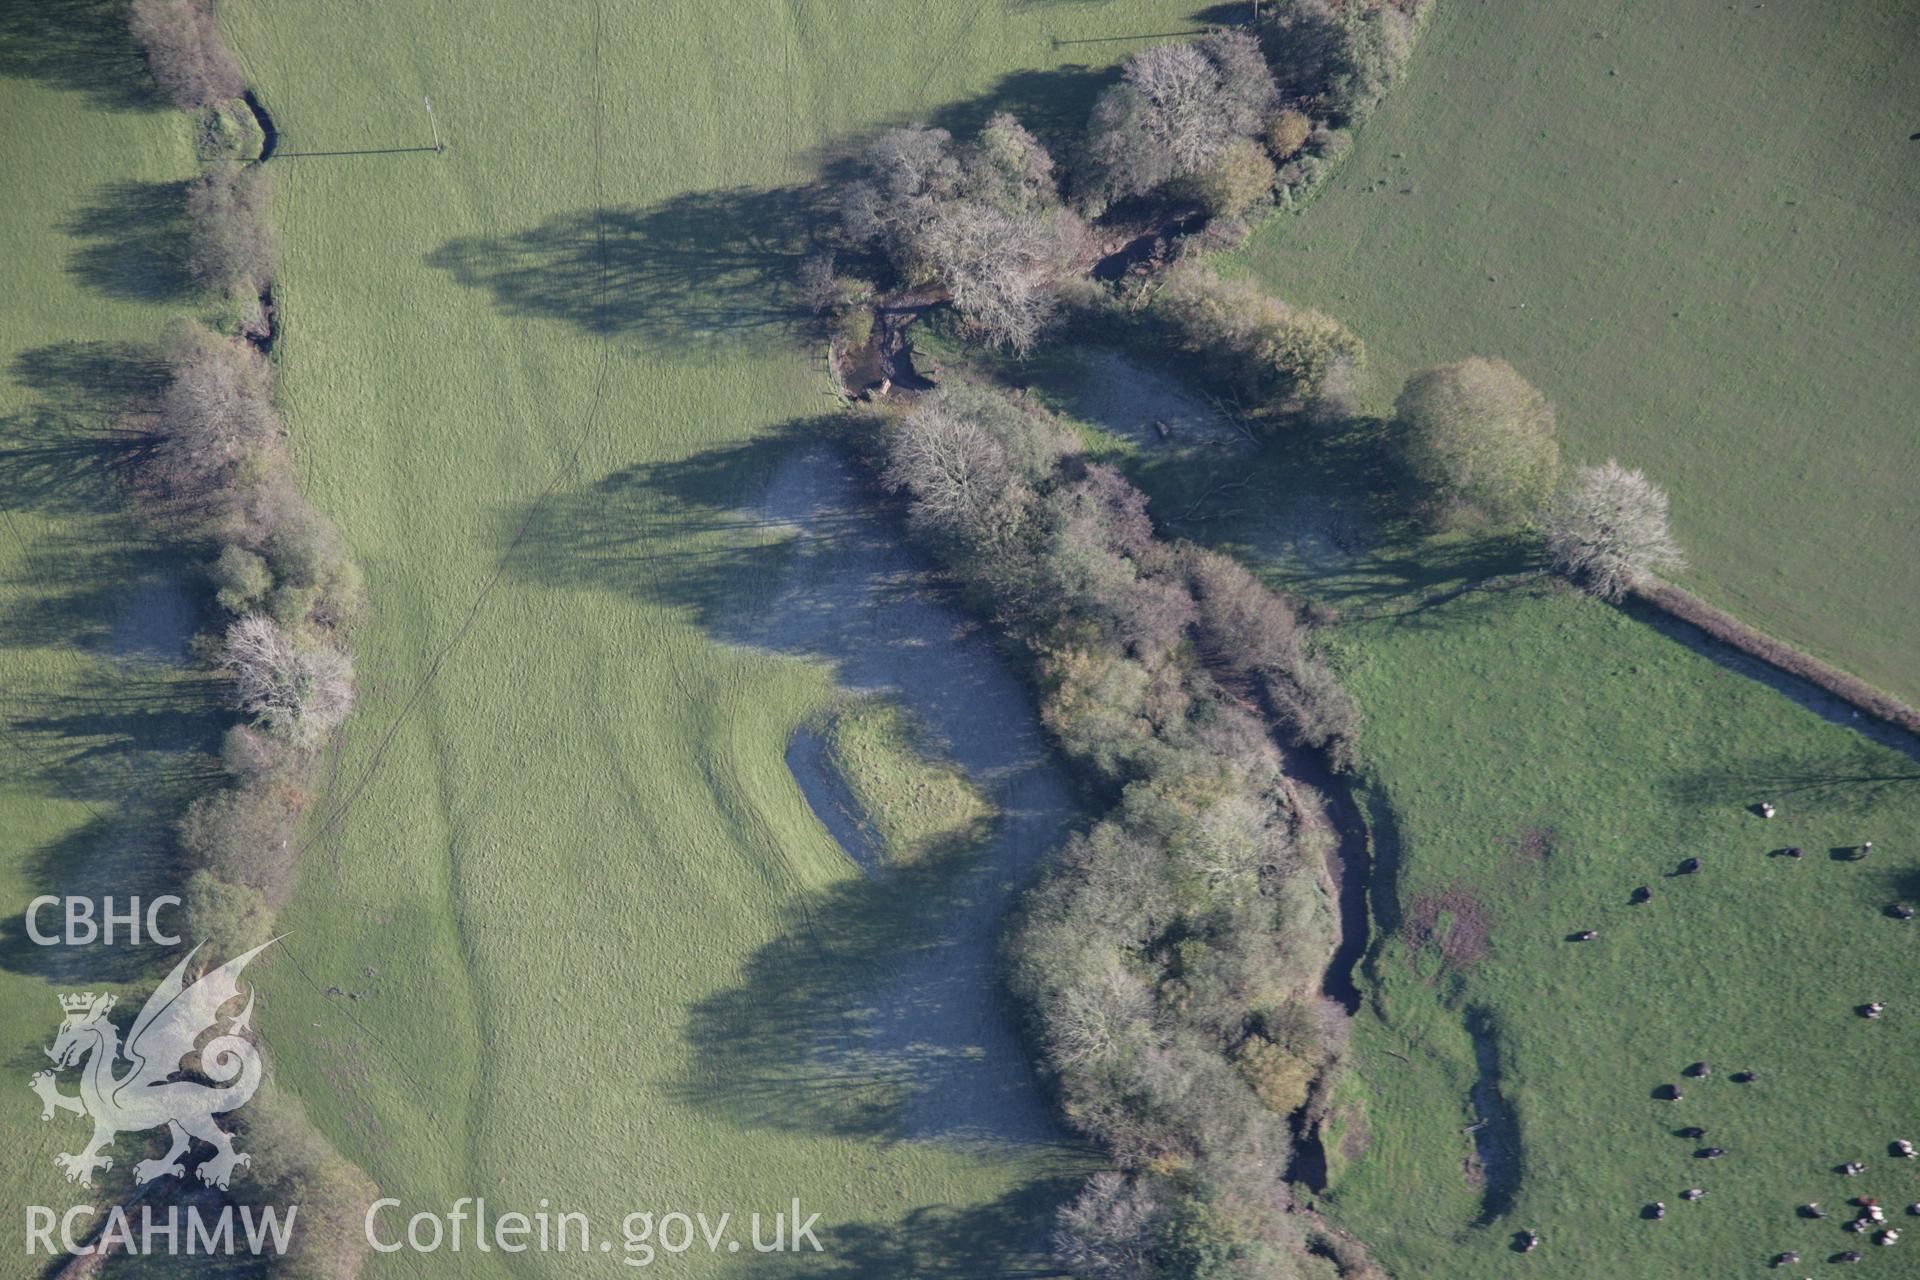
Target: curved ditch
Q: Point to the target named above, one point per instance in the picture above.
(1349, 867)
(1349, 863)
(269, 135)
(1496, 1127)
(828, 795)
(269, 139)
(853, 594)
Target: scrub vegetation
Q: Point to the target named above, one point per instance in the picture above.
(1172, 957)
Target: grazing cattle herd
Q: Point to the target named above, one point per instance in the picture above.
(1871, 1217)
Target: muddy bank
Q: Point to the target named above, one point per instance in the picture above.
(851, 593)
(1146, 252)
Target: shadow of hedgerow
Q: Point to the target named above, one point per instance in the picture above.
(875, 1014)
(132, 738)
(81, 46)
(710, 268)
(1006, 1237)
(701, 269)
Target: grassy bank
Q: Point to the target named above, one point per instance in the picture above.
(912, 803)
(1533, 759)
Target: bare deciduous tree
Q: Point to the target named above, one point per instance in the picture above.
(954, 469)
(233, 245)
(244, 835)
(1108, 1231)
(1243, 623)
(816, 281)
(983, 220)
(909, 173)
(1247, 93)
(299, 691)
(1607, 530)
(1000, 269)
(1173, 113)
(189, 60)
(1179, 89)
(216, 412)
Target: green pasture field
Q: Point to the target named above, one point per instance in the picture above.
(105, 729)
(567, 929)
(1694, 228)
(1529, 758)
(1533, 757)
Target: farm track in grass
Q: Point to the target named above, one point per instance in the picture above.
(1695, 231)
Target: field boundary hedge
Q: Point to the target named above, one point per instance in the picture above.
(1716, 622)
(218, 476)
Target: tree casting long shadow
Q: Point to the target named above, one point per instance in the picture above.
(1004, 1238)
(134, 242)
(130, 734)
(81, 46)
(701, 269)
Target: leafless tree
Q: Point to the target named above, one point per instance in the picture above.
(216, 412)
(1173, 112)
(1247, 95)
(1180, 90)
(1108, 1231)
(189, 60)
(244, 835)
(1607, 530)
(1243, 622)
(232, 241)
(819, 290)
(969, 460)
(999, 268)
(953, 467)
(909, 173)
(981, 220)
(248, 753)
(299, 691)
(1092, 1017)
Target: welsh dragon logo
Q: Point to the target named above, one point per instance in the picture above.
(150, 1092)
